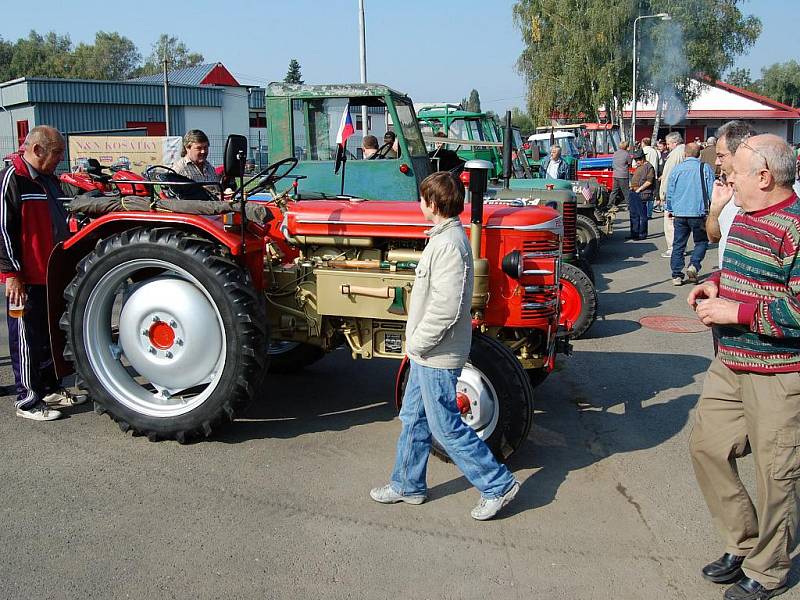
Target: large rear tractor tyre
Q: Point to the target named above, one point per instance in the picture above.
(587, 237)
(578, 300)
(166, 331)
(495, 397)
(290, 357)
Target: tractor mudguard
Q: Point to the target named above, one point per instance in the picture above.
(398, 382)
(66, 255)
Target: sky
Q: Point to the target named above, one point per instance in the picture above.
(433, 50)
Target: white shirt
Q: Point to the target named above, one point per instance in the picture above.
(726, 217)
(552, 169)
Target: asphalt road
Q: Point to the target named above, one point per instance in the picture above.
(277, 505)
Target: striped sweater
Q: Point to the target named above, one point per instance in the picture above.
(761, 271)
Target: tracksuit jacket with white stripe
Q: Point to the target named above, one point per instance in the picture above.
(26, 232)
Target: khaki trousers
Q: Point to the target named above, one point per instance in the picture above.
(739, 413)
(669, 230)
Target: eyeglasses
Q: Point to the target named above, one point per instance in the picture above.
(761, 154)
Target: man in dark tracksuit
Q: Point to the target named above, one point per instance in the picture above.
(32, 222)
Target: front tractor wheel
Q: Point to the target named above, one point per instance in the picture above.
(494, 396)
(587, 237)
(578, 300)
(166, 332)
(290, 357)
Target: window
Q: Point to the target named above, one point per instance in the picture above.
(258, 119)
(22, 131)
(408, 123)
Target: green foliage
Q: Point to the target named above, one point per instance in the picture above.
(177, 54)
(112, 56)
(293, 74)
(781, 82)
(740, 78)
(578, 53)
(474, 102)
(522, 120)
(41, 56)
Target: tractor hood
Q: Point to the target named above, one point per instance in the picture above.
(356, 218)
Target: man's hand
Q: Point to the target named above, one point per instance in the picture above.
(669, 215)
(718, 311)
(704, 291)
(721, 194)
(15, 291)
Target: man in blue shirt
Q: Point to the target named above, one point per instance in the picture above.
(688, 195)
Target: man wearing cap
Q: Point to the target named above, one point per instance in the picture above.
(641, 193)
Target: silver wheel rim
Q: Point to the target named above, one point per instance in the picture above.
(154, 379)
(484, 407)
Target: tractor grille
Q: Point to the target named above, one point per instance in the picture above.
(549, 244)
(570, 224)
(539, 302)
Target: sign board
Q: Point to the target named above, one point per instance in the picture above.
(131, 152)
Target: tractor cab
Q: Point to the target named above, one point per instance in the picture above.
(305, 122)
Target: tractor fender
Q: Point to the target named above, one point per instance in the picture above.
(66, 255)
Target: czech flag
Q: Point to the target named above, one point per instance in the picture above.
(346, 129)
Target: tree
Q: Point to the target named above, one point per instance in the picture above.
(522, 119)
(177, 54)
(41, 56)
(474, 102)
(112, 57)
(781, 82)
(578, 54)
(740, 78)
(293, 75)
(6, 54)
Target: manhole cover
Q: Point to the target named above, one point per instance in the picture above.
(673, 324)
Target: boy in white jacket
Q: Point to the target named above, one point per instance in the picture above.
(438, 339)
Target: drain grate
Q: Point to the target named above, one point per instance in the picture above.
(673, 324)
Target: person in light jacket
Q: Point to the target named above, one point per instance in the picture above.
(438, 340)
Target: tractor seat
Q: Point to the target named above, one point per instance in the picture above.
(193, 191)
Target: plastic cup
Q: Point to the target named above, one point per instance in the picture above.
(15, 310)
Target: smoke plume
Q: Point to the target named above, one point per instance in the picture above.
(663, 67)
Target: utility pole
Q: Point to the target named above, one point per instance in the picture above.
(363, 51)
(166, 94)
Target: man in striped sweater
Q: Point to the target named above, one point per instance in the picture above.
(751, 395)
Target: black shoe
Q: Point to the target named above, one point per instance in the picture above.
(750, 589)
(725, 569)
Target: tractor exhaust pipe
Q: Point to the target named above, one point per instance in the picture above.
(508, 140)
(478, 177)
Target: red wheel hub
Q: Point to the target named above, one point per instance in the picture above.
(571, 303)
(462, 401)
(161, 335)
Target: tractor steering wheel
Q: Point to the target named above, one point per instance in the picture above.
(271, 174)
(188, 189)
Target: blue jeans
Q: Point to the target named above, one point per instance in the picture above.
(429, 407)
(696, 226)
(650, 205)
(637, 209)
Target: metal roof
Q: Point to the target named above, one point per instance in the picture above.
(36, 90)
(188, 76)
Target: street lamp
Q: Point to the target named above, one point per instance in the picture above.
(663, 17)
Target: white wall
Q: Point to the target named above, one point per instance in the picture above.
(235, 111)
(207, 119)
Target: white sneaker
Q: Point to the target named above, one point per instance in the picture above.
(387, 495)
(666, 254)
(691, 274)
(38, 412)
(64, 397)
(677, 281)
(489, 507)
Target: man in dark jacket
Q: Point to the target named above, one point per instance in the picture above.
(621, 163)
(641, 193)
(553, 166)
(32, 221)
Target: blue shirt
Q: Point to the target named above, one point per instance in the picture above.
(684, 194)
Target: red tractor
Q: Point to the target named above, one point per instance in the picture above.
(170, 318)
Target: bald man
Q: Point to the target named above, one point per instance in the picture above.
(751, 394)
(32, 221)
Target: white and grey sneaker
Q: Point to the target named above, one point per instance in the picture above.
(39, 412)
(691, 274)
(489, 507)
(387, 495)
(64, 397)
